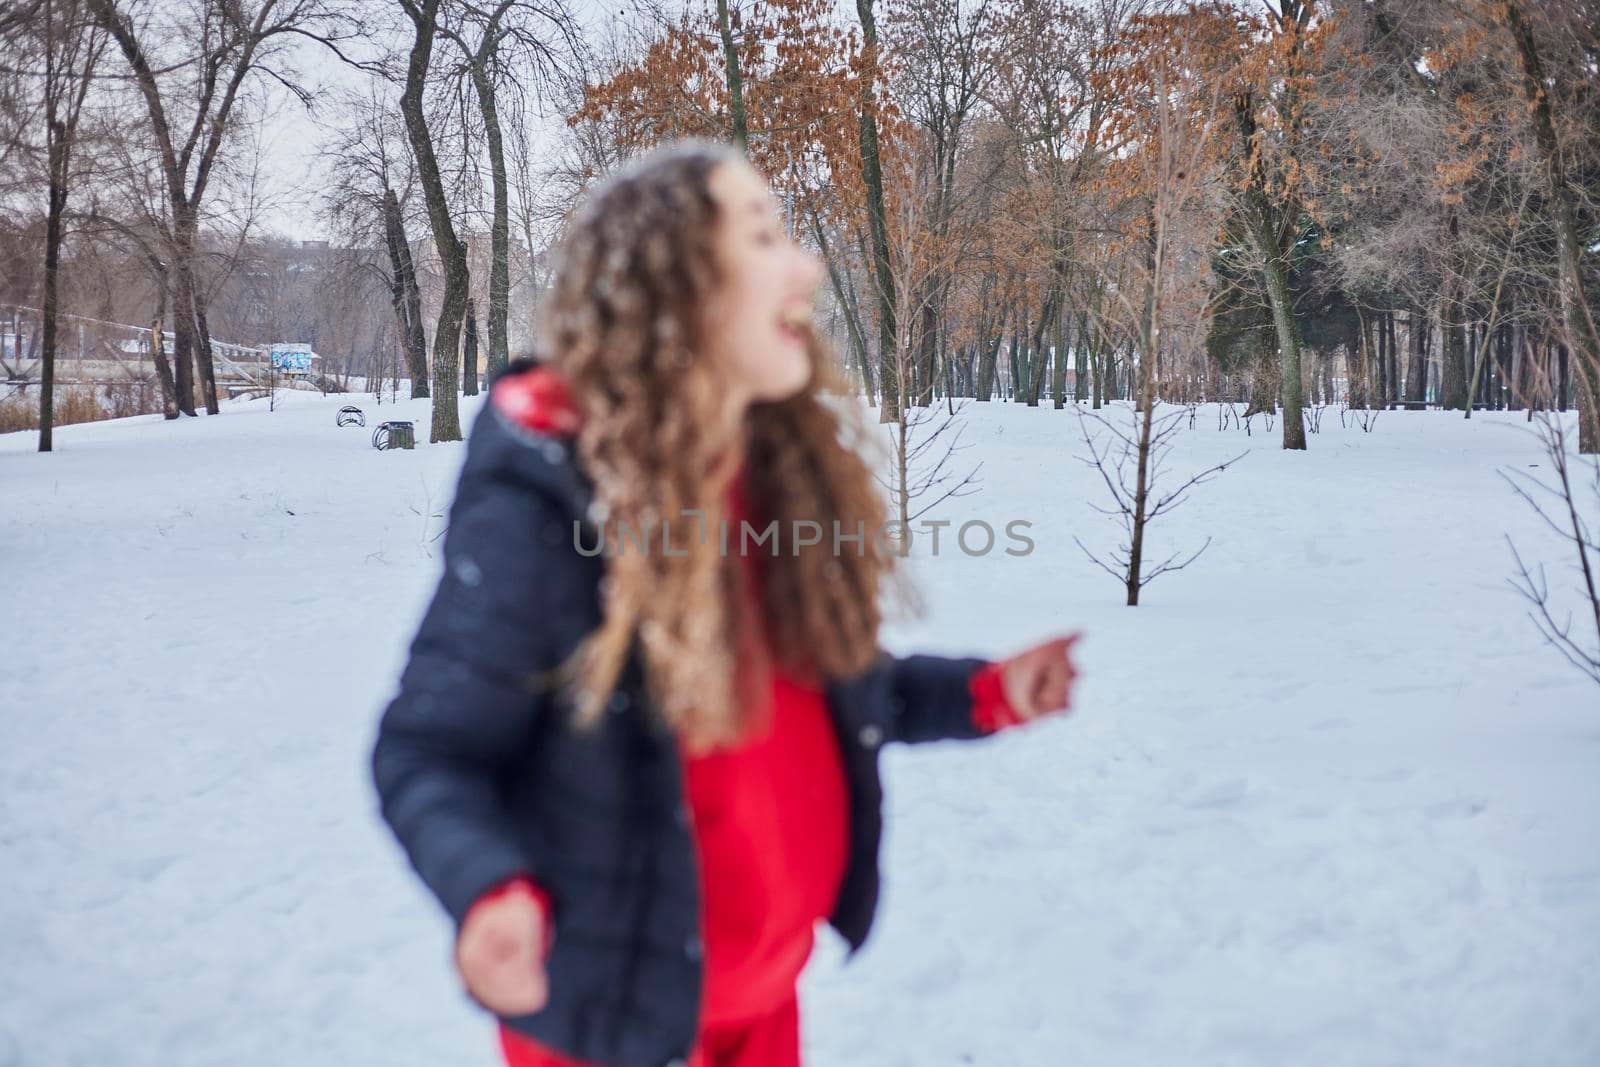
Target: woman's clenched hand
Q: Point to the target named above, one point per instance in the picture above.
(500, 953)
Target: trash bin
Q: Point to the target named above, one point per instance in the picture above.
(393, 435)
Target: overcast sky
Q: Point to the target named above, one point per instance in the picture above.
(294, 139)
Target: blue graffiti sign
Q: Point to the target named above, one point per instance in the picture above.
(292, 358)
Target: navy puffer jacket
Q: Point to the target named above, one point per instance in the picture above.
(481, 776)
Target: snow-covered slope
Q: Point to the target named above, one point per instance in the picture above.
(1326, 798)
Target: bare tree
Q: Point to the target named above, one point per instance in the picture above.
(1166, 122)
(18, 100)
(520, 45)
(67, 45)
(192, 103)
(1567, 501)
(405, 294)
(867, 108)
(1132, 466)
(373, 183)
(925, 440)
(1574, 23)
(947, 67)
(424, 16)
(1269, 105)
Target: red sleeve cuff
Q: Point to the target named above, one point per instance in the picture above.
(522, 882)
(991, 711)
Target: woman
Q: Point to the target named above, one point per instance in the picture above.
(634, 751)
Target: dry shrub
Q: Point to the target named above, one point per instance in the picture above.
(78, 403)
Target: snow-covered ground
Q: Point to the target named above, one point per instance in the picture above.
(1326, 800)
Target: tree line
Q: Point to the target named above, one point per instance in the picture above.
(1394, 203)
(136, 185)
(1281, 203)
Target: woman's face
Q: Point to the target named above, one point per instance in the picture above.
(756, 323)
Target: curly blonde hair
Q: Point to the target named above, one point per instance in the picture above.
(620, 324)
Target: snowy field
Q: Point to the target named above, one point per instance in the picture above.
(1326, 800)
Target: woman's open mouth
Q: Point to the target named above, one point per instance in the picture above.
(795, 325)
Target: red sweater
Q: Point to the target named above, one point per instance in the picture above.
(771, 814)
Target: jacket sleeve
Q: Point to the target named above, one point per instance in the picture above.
(471, 691)
(991, 709)
(924, 698)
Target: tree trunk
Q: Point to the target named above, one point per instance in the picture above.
(1382, 392)
(499, 228)
(1576, 312)
(1478, 353)
(158, 353)
(1294, 430)
(183, 337)
(204, 363)
(405, 295)
(1098, 371)
(988, 357)
(1564, 388)
(872, 175)
(1041, 354)
(447, 329)
(926, 347)
(1081, 357)
(1271, 230)
(1386, 325)
(158, 359)
(1453, 374)
(1058, 381)
(469, 353)
(1521, 345)
(1360, 383)
(1502, 370)
(58, 157)
(188, 327)
(1141, 495)
(730, 63)
(1453, 378)
(1019, 360)
(1418, 331)
(1263, 385)
(845, 295)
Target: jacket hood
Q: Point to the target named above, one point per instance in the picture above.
(526, 435)
(535, 396)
